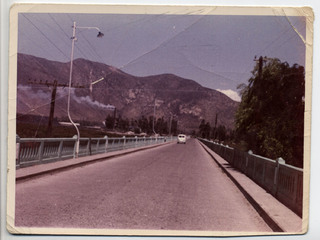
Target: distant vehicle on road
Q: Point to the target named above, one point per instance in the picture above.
(182, 138)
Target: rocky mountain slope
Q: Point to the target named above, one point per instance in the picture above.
(132, 96)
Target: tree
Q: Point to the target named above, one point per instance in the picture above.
(204, 129)
(109, 122)
(122, 124)
(174, 127)
(221, 133)
(270, 117)
(143, 124)
(161, 127)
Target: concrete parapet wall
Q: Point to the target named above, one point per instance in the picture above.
(283, 181)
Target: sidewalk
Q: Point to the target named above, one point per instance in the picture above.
(276, 215)
(50, 168)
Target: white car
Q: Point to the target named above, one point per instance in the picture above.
(182, 138)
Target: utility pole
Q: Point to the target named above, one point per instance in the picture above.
(260, 61)
(114, 117)
(53, 99)
(54, 86)
(91, 86)
(170, 124)
(215, 127)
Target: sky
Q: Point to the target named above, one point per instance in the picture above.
(217, 51)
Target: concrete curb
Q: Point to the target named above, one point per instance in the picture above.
(28, 173)
(266, 211)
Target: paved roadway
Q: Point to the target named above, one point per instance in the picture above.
(172, 187)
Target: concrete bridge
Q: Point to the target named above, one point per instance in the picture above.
(165, 186)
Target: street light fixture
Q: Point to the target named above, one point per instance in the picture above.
(100, 34)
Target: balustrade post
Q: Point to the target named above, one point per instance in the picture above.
(247, 164)
(295, 189)
(89, 152)
(124, 142)
(264, 173)
(232, 157)
(276, 175)
(106, 144)
(223, 153)
(41, 148)
(60, 150)
(97, 146)
(17, 150)
(75, 137)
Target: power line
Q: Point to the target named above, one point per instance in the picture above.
(27, 37)
(68, 37)
(79, 49)
(40, 106)
(92, 48)
(45, 36)
(54, 86)
(59, 26)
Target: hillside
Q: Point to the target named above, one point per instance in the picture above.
(132, 96)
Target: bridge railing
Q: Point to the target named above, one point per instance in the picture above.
(32, 151)
(283, 181)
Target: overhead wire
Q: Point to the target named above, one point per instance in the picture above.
(33, 109)
(59, 26)
(28, 38)
(68, 36)
(44, 35)
(76, 46)
(275, 40)
(93, 50)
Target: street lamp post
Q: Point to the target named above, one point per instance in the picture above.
(100, 34)
(154, 115)
(170, 124)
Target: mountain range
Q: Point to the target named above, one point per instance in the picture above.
(164, 95)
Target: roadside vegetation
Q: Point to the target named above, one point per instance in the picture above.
(37, 127)
(142, 125)
(270, 117)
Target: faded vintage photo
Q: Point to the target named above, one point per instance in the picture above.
(159, 120)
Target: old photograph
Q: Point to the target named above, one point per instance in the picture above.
(159, 120)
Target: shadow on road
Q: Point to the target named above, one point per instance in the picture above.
(229, 166)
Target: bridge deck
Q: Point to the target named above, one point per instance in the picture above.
(214, 209)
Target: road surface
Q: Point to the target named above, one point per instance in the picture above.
(171, 187)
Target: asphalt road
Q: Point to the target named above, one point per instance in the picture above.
(172, 187)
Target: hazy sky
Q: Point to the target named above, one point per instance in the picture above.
(216, 51)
